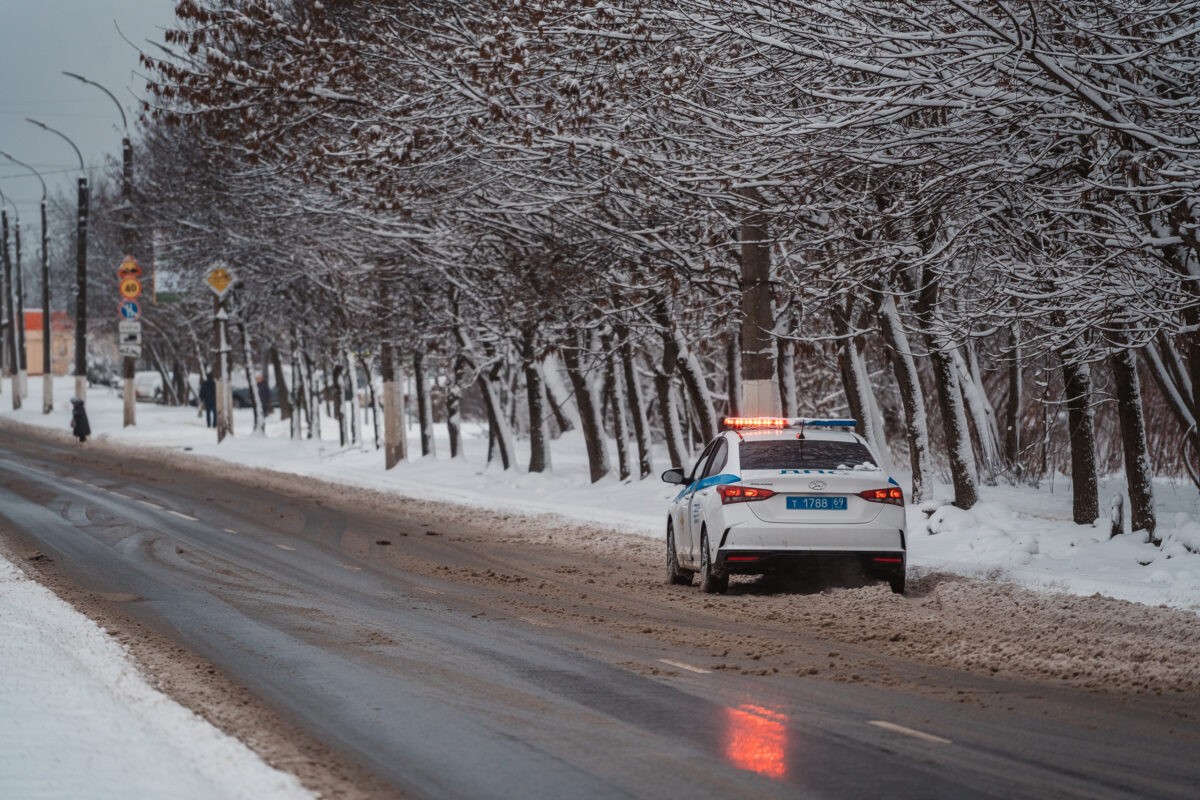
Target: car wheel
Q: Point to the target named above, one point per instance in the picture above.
(710, 582)
(897, 583)
(676, 575)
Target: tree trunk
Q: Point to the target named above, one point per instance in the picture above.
(618, 403)
(855, 381)
(589, 412)
(339, 407)
(394, 444)
(980, 412)
(299, 394)
(356, 407)
(535, 399)
(912, 399)
(454, 406)
(1077, 383)
(556, 395)
(733, 374)
(637, 405)
(1012, 411)
(499, 433)
(313, 405)
(787, 376)
(677, 450)
(260, 413)
(424, 406)
(1133, 442)
(281, 385)
(367, 376)
(954, 416)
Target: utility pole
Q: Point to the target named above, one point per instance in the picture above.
(80, 267)
(47, 378)
(6, 306)
(221, 281)
(130, 362)
(11, 360)
(19, 330)
(760, 378)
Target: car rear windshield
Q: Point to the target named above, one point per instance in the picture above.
(804, 454)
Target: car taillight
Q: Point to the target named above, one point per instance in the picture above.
(733, 493)
(890, 495)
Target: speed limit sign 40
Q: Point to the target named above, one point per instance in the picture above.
(130, 288)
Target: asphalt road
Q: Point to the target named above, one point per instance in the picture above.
(453, 663)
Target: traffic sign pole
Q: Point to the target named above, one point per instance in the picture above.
(129, 286)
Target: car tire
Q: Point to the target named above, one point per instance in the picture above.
(897, 583)
(710, 582)
(676, 575)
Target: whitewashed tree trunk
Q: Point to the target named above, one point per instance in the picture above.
(424, 404)
(500, 431)
(260, 413)
(912, 399)
(356, 410)
(693, 378)
(565, 412)
(981, 412)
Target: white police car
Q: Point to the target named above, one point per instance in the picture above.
(770, 493)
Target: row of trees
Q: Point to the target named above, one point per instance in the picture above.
(634, 216)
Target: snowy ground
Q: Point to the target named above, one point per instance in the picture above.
(1019, 534)
(76, 719)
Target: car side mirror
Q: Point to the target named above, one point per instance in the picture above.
(673, 475)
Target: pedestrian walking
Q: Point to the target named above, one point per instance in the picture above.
(79, 421)
(208, 398)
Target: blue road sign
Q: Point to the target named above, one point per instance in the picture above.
(129, 309)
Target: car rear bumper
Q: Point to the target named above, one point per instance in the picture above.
(813, 538)
(880, 563)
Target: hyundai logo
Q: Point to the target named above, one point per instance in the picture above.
(817, 486)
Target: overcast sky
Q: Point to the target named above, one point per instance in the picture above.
(38, 40)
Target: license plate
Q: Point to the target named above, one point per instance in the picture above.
(816, 503)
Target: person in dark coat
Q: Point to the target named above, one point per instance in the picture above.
(208, 398)
(79, 421)
(264, 395)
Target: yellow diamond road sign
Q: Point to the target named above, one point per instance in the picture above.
(129, 269)
(219, 280)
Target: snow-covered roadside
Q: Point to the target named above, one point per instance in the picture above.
(78, 720)
(1019, 534)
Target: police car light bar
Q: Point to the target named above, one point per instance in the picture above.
(746, 423)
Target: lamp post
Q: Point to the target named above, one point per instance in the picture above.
(10, 327)
(130, 362)
(80, 268)
(47, 382)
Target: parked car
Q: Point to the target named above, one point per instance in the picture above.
(148, 386)
(769, 494)
(243, 399)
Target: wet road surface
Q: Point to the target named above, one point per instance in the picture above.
(357, 625)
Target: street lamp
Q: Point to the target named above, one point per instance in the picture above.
(126, 228)
(47, 383)
(11, 360)
(80, 268)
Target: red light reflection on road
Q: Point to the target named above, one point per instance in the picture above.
(756, 739)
